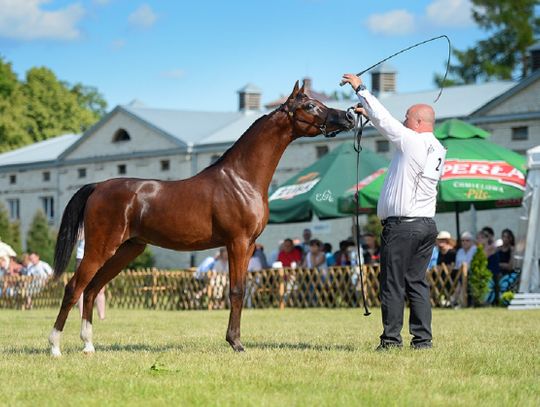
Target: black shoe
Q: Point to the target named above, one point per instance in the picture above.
(422, 345)
(385, 346)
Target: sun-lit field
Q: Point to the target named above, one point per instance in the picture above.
(294, 357)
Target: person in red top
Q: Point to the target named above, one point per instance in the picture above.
(289, 254)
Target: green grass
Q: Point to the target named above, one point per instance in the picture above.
(294, 357)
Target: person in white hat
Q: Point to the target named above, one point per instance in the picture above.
(447, 253)
(467, 250)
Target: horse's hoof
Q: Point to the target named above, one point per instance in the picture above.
(238, 348)
(236, 345)
(89, 349)
(55, 352)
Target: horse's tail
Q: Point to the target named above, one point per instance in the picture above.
(72, 221)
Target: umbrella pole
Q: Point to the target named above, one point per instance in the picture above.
(457, 220)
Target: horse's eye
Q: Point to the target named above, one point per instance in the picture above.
(311, 106)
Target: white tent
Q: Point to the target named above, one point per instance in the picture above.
(528, 239)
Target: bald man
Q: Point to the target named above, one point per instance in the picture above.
(406, 208)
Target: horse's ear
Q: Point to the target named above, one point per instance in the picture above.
(303, 86)
(295, 91)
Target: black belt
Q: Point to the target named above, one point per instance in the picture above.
(399, 219)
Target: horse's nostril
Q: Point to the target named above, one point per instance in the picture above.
(351, 118)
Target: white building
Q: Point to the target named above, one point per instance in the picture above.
(138, 141)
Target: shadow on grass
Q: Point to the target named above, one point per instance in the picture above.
(116, 347)
(299, 346)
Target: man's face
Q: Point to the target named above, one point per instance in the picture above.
(287, 246)
(307, 235)
(34, 258)
(410, 121)
(466, 243)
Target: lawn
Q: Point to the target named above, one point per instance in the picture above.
(294, 357)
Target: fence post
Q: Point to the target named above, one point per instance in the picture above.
(281, 289)
(154, 287)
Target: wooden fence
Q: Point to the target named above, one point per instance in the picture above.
(273, 288)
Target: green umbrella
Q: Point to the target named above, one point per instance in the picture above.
(477, 173)
(314, 191)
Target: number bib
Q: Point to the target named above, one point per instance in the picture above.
(434, 164)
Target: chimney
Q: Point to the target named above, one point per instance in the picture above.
(534, 57)
(383, 79)
(249, 98)
(307, 85)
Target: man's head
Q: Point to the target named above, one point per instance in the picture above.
(34, 258)
(306, 235)
(420, 118)
(466, 240)
(288, 245)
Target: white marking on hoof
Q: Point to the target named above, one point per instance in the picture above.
(86, 336)
(54, 341)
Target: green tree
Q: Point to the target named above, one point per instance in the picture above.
(16, 242)
(89, 98)
(144, 260)
(13, 121)
(479, 276)
(512, 26)
(374, 226)
(5, 227)
(40, 238)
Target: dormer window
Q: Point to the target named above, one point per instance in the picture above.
(121, 135)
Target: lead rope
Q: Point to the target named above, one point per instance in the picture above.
(360, 124)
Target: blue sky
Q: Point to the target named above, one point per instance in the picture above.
(195, 55)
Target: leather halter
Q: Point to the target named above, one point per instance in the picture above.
(321, 127)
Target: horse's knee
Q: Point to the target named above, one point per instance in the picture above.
(237, 292)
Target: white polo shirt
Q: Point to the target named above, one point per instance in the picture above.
(410, 187)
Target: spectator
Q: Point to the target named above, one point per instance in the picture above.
(447, 253)
(506, 251)
(371, 249)
(254, 263)
(434, 257)
(342, 255)
(206, 265)
(100, 298)
(26, 264)
(273, 258)
(259, 253)
(289, 256)
(38, 268)
(467, 250)
(330, 260)
(316, 257)
(221, 265)
(306, 234)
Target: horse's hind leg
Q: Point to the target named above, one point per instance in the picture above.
(238, 261)
(123, 256)
(83, 275)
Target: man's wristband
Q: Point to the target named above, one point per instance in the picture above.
(360, 87)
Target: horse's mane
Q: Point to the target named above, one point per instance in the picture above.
(254, 125)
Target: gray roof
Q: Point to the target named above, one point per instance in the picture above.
(455, 101)
(189, 127)
(43, 151)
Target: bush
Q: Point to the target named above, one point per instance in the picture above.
(144, 260)
(480, 277)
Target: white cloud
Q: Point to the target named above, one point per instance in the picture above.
(173, 74)
(143, 17)
(395, 22)
(25, 20)
(450, 13)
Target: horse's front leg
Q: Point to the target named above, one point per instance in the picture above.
(239, 252)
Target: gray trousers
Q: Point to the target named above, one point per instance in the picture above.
(406, 248)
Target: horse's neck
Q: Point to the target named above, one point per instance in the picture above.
(255, 156)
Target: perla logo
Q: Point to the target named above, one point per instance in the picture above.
(495, 170)
(290, 191)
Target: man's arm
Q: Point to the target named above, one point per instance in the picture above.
(381, 118)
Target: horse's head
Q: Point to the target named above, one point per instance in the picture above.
(309, 117)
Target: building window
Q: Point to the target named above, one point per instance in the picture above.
(122, 169)
(121, 135)
(14, 209)
(214, 158)
(46, 176)
(165, 165)
(47, 203)
(382, 146)
(520, 133)
(81, 172)
(12, 179)
(321, 150)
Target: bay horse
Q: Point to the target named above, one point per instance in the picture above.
(226, 204)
